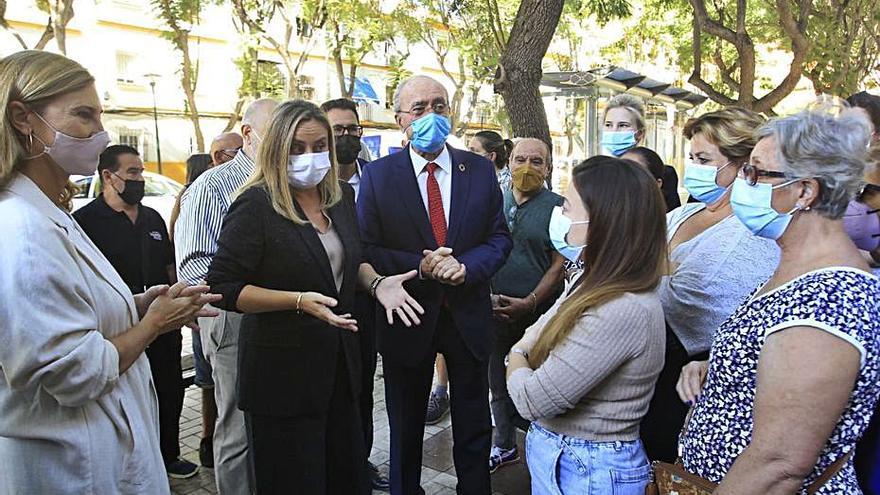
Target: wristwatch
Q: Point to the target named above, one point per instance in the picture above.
(517, 351)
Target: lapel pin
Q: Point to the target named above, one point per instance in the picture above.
(461, 167)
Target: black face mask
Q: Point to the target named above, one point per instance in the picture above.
(347, 149)
(133, 192)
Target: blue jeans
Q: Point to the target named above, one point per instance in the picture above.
(203, 367)
(562, 465)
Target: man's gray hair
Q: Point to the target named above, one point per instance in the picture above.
(832, 150)
(395, 102)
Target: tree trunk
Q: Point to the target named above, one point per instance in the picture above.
(236, 114)
(62, 13)
(519, 74)
(189, 80)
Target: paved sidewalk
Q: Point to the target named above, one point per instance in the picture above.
(438, 473)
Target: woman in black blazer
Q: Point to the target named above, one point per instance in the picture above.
(289, 258)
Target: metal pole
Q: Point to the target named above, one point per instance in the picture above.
(156, 123)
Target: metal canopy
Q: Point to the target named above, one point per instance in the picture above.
(580, 82)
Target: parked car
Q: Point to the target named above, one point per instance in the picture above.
(160, 192)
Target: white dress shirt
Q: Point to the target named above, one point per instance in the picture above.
(355, 180)
(443, 174)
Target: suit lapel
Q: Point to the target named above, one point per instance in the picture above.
(461, 184)
(411, 197)
(313, 244)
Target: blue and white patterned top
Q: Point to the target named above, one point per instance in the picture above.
(505, 179)
(841, 301)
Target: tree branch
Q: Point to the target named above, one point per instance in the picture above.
(796, 30)
(712, 27)
(696, 77)
(725, 71)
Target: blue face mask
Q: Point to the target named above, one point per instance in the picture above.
(429, 133)
(700, 182)
(558, 230)
(752, 205)
(618, 142)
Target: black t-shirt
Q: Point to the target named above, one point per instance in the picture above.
(140, 252)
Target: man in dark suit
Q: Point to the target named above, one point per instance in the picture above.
(438, 210)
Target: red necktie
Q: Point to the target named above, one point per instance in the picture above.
(435, 206)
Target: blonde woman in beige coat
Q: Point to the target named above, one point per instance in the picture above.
(78, 410)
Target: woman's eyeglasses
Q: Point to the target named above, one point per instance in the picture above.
(752, 173)
(868, 190)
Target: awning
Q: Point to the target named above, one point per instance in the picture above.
(363, 90)
(576, 82)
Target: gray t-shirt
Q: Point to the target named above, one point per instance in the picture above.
(716, 272)
(532, 252)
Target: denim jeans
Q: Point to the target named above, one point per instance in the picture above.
(203, 368)
(562, 465)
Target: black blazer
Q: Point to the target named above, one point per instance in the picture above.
(287, 361)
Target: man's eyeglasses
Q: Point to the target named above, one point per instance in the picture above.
(419, 110)
(351, 130)
(751, 174)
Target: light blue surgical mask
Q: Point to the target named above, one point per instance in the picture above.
(429, 133)
(618, 142)
(752, 205)
(701, 182)
(558, 230)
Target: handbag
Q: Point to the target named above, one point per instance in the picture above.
(673, 479)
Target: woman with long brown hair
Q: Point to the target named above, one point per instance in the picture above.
(584, 373)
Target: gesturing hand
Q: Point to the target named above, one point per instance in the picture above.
(318, 305)
(690, 382)
(395, 299)
(179, 305)
(142, 301)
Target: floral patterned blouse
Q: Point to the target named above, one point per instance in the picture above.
(841, 301)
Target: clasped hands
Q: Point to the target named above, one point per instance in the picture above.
(441, 266)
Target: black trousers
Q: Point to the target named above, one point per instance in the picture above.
(365, 313)
(406, 397)
(314, 454)
(164, 356)
(661, 426)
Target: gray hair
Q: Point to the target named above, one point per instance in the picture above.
(396, 99)
(631, 103)
(817, 145)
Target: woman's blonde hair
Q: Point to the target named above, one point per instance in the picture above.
(630, 103)
(274, 152)
(33, 78)
(733, 130)
(625, 245)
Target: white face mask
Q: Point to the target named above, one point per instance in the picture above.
(307, 170)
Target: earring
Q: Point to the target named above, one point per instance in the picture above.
(30, 142)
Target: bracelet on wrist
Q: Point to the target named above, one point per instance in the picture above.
(534, 302)
(375, 284)
(299, 302)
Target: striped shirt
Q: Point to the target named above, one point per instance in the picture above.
(202, 208)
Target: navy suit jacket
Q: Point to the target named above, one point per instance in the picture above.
(395, 229)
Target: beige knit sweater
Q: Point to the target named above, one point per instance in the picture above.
(597, 384)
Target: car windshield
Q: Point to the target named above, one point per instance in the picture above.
(159, 186)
